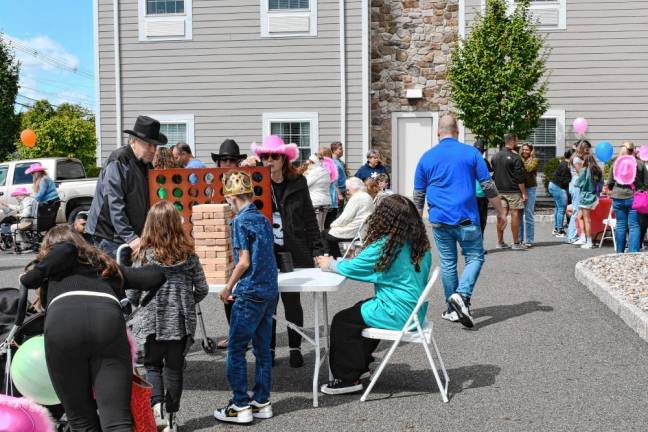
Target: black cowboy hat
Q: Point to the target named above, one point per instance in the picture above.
(147, 129)
(228, 150)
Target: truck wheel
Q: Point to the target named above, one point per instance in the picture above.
(76, 211)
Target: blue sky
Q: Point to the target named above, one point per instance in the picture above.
(60, 31)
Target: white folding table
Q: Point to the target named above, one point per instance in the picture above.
(319, 283)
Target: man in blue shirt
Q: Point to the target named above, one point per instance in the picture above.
(447, 174)
(255, 301)
(182, 154)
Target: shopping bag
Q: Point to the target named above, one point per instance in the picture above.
(143, 420)
(640, 202)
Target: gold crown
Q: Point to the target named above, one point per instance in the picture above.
(237, 183)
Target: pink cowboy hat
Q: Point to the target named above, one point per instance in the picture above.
(625, 169)
(23, 415)
(275, 145)
(21, 191)
(643, 153)
(35, 167)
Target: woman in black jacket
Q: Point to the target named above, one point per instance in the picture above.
(294, 226)
(558, 187)
(86, 346)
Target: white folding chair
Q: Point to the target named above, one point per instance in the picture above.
(352, 246)
(412, 332)
(610, 223)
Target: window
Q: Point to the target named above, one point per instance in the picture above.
(548, 138)
(160, 7)
(19, 174)
(177, 128)
(164, 20)
(288, 4)
(549, 14)
(4, 172)
(301, 129)
(288, 18)
(69, 170)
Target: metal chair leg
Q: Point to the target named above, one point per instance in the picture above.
(383, 363)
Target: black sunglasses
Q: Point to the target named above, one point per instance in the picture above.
(266, 156)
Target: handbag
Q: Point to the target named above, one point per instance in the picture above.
(640, 201)
(141, 391)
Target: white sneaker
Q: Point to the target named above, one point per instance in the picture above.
(579, 242)
(587, 246)
(158, 415)
(234, 414)
(450, 316)
(261, 410)
(462, 309)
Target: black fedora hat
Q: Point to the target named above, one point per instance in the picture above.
(228, 150)
(147, 129)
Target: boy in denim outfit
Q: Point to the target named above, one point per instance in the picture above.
(255, 299)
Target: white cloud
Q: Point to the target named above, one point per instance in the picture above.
(42, 52)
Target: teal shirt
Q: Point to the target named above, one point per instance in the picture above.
(396, 290)
(479, 191)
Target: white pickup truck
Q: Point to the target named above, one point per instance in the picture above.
(74, 188)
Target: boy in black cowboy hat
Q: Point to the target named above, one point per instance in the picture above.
(120, 203)
(229, 155)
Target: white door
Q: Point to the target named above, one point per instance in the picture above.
(412, 135)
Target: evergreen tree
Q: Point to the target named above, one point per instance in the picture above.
(9, 121)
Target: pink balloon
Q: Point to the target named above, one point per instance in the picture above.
(580, 126)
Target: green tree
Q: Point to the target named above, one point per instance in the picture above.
(9, 121)
(67, 131)
(498, 74)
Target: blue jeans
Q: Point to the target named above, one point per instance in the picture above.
(527, 221)
(572, 233)
(560, 202)
(251, 320)
(471, 241)
(626, 219)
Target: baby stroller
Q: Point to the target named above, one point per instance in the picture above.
(33, 233)
(19, 322)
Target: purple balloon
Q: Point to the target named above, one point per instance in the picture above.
(580, 126)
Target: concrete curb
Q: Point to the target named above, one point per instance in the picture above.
(629, 313)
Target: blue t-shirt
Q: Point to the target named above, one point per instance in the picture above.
(195, 163)
(447, 173)
(252, 231)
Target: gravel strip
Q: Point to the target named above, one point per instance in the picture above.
(626, 274)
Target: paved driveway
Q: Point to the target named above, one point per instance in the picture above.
(545, 355)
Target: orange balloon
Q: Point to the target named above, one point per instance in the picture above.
(28, 138)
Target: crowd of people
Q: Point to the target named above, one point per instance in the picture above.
(315, 210)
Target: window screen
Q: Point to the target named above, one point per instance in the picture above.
(288, 4)
(161, 7)
(175, 132)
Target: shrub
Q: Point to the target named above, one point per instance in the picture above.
(549, 170)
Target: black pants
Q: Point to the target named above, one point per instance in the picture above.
(165, 358)
(330, 217)
(85, 347)
(333, 244)
(350, 354)
(228, 311)
(643, 221)
(294, 314)
(482, 206)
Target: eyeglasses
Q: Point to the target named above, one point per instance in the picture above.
(273, 156)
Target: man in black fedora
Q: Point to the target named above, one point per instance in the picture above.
(229, 155)
(120, 203)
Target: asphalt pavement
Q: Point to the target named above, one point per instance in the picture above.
(545, 355)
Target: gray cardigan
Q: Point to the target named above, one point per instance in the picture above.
(171, 314)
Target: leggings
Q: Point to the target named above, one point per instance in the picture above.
(85, 347)
(165, 358)
(350, 354)
(294, 314)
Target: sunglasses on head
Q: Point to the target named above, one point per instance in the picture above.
(273, 156)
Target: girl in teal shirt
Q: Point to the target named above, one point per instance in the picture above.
(397, 260)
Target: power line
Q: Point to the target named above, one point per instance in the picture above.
(73, 98)
(46, 58)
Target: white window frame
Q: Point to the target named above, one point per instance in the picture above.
(559, 115)
(143, 19)
(561, 5)
(292, 117)
(187, 119)
(266, 13)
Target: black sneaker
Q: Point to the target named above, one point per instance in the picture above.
(234, 414)
(461, 305)
(338, 387)
(296, 358)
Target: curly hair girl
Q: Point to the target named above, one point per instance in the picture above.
(163, 233)
(397, 220)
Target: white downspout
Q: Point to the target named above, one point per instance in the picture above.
(343, 104)
(97, 83)
(118, 107)
(365, 79)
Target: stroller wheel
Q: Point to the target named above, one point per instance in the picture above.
(209, 345)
